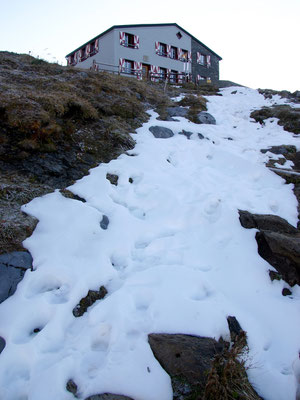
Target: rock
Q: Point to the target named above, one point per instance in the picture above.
(177, 111)
(278, 243)
(113, 179)
(234, 92)
(108, 396)
(88, 300)
(104, 222)
(185, 133)
(12, 269)
(161, 132)
(289, 117)
(274, 276)
(71, 387)
(234, 327)
(200, 136)
(18, 259)
(286, 292)
(282, 149)
(206, 118)
(2, 344)
(282, 252)
(185, 358)
(266, 222)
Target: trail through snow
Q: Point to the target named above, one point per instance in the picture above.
(174, 259)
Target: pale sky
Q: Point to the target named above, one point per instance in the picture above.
(259, 40)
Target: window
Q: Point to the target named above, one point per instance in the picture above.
(163, 73)
(174, 53)
(129, 40)
(163, 50)
(92, 48)
(173, 76)
(200, 58)
(128, 67)
(184, 55)
(71, 60)
(83, 54)
(179, 35)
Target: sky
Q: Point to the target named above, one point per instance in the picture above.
(258, 39)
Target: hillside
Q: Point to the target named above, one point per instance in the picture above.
(172, 269)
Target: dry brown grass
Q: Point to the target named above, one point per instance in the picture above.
(227, 378)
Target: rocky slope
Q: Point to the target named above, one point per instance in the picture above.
(55, 124)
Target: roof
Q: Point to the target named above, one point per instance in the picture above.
(146, 26)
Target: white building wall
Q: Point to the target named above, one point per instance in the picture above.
(110, 50)
(146, 52)
(105, 54)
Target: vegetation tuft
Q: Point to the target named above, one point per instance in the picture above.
(227, 378)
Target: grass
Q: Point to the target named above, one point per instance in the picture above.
(227, 378)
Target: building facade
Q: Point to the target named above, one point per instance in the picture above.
(148, 51)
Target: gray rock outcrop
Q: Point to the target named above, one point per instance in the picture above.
(161, 132)
(206, 118)
(12, 269)
(278, 243)
(186, 359)
(177, 111)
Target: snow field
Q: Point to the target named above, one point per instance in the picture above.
(174, 259)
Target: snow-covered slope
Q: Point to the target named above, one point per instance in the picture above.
(173, 259)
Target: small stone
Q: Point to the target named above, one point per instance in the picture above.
(104, 222)
(160, 132)
(2, 344)
(113, 179)
(71, 387)
(130, 180)
(286, 292)
(89, 300)
(234, 327)
(186, 133)
(274, 276)
(200, 136)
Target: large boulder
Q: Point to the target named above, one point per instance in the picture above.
(161, 132)
(187, 359)
(12, 269)
(282, 251)
(177, 111)
(266, 222)
(206, 118)
(278, 243)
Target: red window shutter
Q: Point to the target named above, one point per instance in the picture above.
(157, 47)
(121, 64)
(122, 38)
(198, 58)
(189, 56)
(179, 54)
(136, 42)
(168, 50)
(208, 61)
(96, 45)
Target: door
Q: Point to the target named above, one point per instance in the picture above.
(145, 70)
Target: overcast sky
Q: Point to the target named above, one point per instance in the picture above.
(259, 40)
